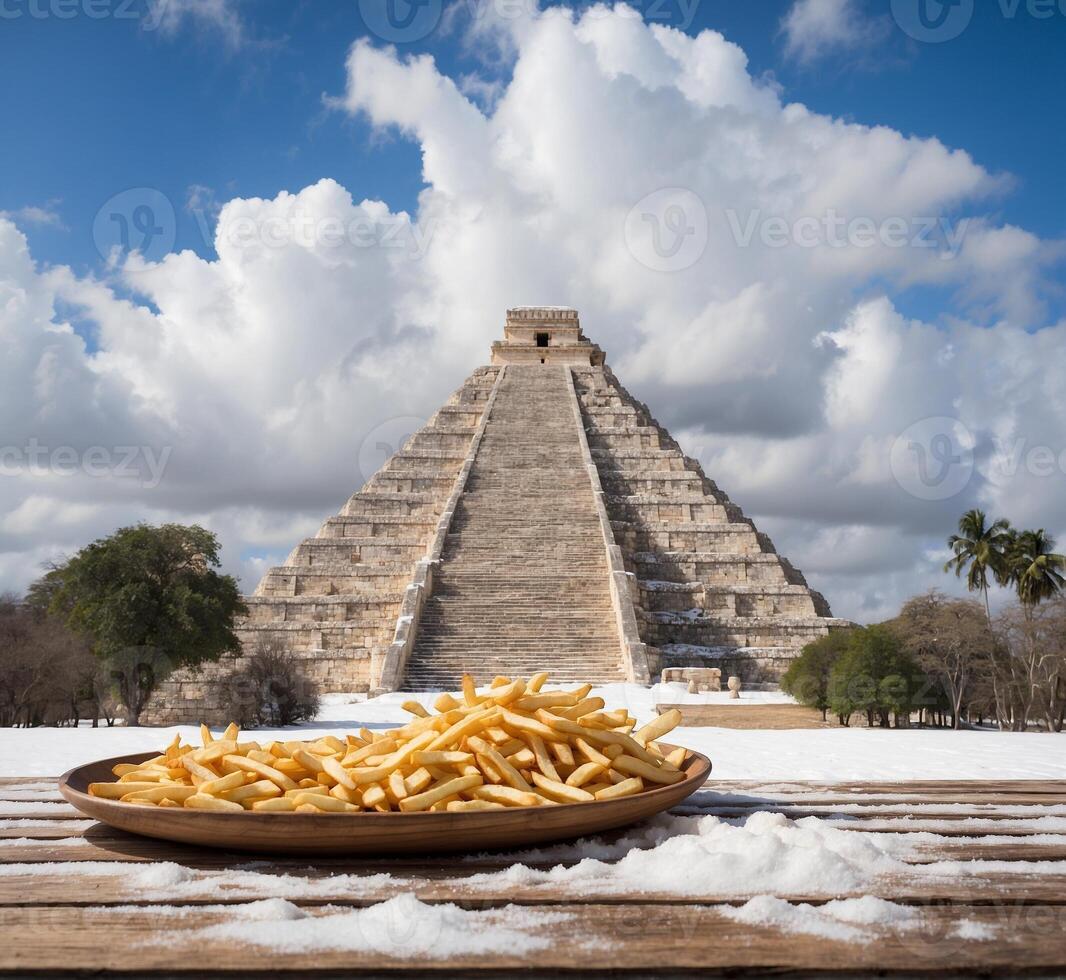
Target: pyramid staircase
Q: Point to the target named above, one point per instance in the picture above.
(523, 578)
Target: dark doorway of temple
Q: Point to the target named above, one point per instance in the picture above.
(542, 340)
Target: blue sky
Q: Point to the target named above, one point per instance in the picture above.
(95, 106)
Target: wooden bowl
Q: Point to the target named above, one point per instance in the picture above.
(373, 833)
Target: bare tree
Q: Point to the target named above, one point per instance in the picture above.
(44, 669)
(1031, 674)
(951, 640)
(270, 688)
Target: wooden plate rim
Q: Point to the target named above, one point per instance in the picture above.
(697, 767)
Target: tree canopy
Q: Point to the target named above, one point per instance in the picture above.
(875, 676)
(951, 639)
(807, 677)
(150, 600)
(980, 550)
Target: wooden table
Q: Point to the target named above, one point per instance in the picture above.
(61, 912)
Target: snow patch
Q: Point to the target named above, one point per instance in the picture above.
(656, 585)
(694, 856)
(37, 841)
(28, 823)
(402, 927)
(974, 930)
(677, 616)
(170, 881)
(839, 920)
(12, 808)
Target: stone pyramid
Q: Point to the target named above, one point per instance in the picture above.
(542, 519)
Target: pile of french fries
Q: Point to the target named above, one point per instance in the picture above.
(513, 744)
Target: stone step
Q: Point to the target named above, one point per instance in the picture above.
(378, 526)
(523, 576)
(706, 578)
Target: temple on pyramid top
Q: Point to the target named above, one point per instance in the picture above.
(541, 519)
(544, 335)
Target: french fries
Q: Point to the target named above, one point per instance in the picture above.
(512, 744)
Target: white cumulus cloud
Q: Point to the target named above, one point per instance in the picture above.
(743, 260)
(816, 28)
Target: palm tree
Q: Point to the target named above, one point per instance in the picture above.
(980, 550)
(1034, 567)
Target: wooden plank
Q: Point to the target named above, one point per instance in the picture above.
(934, 812)
(972, 786)
(20, 795)
(100, 835)
(979, 849)
(755, 799)
(71, 849)
(37, 810)
(946, 828)
(48, 829)
(639, 937)
(116, 846)
(112, 883)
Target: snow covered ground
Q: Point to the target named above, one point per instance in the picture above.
(830, 755)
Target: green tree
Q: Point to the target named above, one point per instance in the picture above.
(150, 601)
(980, 550)
(875, 676)
(1034, 568)
(807, 677)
